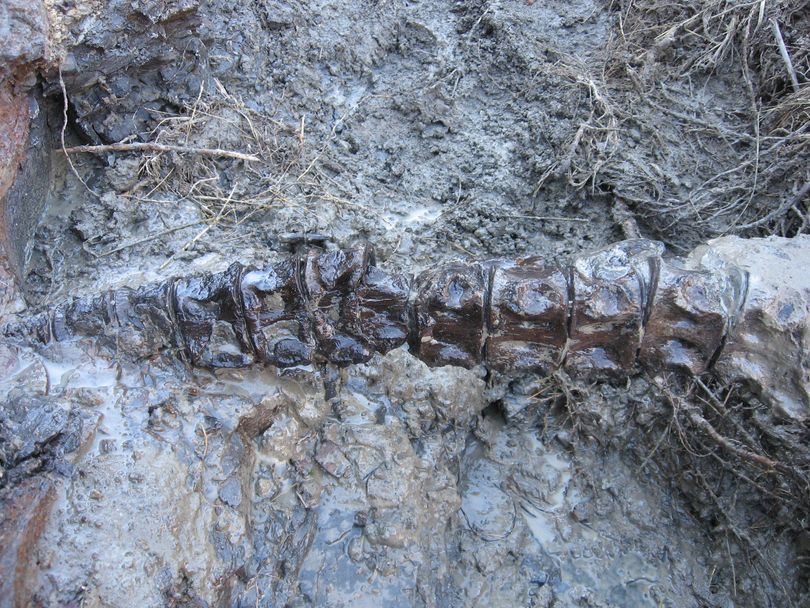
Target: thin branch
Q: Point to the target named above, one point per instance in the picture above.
(62, 135)
(785, 55)
(152, 147)
(148, 238)
(547, 218)
(697, 420)
(791, 202)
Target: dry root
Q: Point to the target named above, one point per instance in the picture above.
(220, 121)
(743, 474)
(236, 164)
(657, 138)
(746, 475)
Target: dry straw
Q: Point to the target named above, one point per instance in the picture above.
(657, 138)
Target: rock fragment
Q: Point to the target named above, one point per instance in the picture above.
(769, 346)
(25, 512)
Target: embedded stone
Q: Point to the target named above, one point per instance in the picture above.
(769, 341)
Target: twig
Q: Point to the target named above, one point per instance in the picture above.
(152, 147)
(565, 165)
(62, 134)
(477, 23)
(194, 110)
(791, 202)
(720, 408)
(546, 218)
(704, 425)
(785, 55)
(185, 247)
(146, 239)
(201, 233)
(658, 443)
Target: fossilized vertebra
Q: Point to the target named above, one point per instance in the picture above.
(607, 313)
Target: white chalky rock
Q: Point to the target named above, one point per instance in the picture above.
(770, 344)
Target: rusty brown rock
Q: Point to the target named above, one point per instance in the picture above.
(27, 196)
(24, 38)
(14, 122)
(23, 151)
(24, 513)
(14, 114)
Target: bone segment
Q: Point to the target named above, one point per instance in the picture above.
(609, 311)
(527, 317)
(449, 314)
(689, 319)
(611, 290)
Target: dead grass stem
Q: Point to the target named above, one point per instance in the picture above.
(699, 116)
(234, 163)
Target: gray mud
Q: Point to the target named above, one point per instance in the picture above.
(426, 127)
(432, 131)
(403, 489)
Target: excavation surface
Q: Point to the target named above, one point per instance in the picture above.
(432, 131)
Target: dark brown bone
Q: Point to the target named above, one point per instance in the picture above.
(140, 321)
(145, 319)
(85, 317)
(689, 319)
(331, 281)
(211, 320)
(277, 324)
(449, 315)
(612, 290)
(528, 315)
(332, 306)
(377, 310)
(600, 315)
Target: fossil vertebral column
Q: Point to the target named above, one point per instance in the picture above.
(740, 306)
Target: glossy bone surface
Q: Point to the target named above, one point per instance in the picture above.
(738, 305)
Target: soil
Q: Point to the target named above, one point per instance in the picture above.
(432, 131)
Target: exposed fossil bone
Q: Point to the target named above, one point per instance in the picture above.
(740, 306)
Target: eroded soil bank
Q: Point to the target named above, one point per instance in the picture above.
(432, 131)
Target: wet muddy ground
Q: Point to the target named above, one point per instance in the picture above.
(405, 488)
(432, 131)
